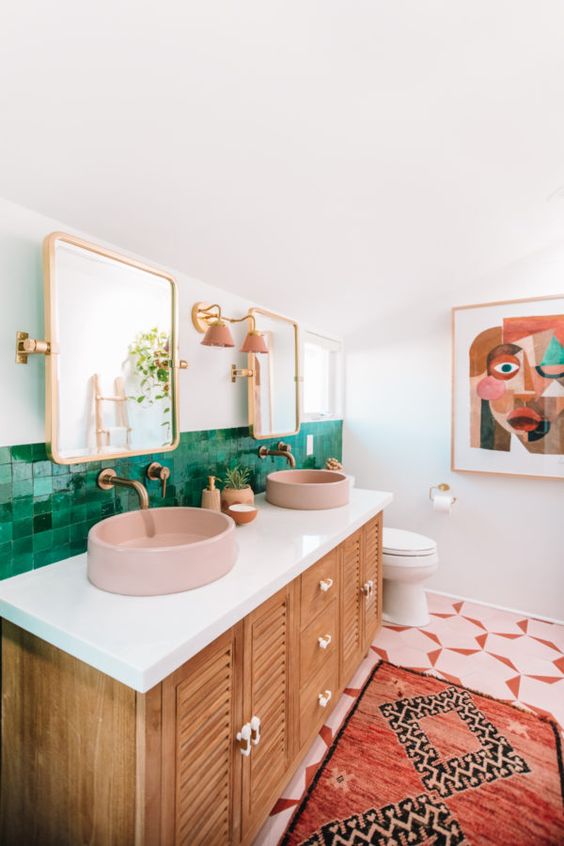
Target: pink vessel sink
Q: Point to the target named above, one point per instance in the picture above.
(308, 489)
(161, 550)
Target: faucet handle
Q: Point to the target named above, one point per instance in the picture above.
(156, 471)
(284, 447)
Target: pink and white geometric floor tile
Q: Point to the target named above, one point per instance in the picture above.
(508, 656)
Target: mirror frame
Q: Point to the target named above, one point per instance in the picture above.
(253, 312)
(52, 410)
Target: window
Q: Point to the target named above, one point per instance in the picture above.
(322, 377)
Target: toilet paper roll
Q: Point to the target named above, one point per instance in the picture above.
(443, 502)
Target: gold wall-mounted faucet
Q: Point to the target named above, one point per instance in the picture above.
(282, 449)
(108, 479)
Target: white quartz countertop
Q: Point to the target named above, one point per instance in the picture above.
(139, 640)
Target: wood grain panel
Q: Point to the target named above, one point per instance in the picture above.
(352, 638)
(68, 749)
(267, 695)
(313, 599)
(312, 656)
(201, 717)
(312, 714)
(372, 571)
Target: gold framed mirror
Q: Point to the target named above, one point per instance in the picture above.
(274, 380)
(112, 370)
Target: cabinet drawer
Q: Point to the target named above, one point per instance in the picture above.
(312, 712)
(319, 642)
(324, 574)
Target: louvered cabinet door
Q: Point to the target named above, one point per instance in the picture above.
(201, 762)
(372, 577)
(352, 621)
(269, 677)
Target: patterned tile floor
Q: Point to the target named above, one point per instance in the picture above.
(514, 658)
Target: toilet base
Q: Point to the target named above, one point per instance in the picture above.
(404, 604)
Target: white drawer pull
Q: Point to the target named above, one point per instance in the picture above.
(325, 698)
(255, 731)
(324, 641)
(326, 584)
(244, 738)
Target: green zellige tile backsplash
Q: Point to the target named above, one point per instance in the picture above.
(46, 509)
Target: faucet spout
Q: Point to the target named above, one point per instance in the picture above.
(108, 479)
(284, 450)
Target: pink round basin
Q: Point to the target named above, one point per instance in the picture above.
(307, 489)
(161, 550)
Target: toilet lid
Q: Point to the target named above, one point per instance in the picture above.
(402, 542)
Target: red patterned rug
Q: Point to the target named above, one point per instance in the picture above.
(422, 761)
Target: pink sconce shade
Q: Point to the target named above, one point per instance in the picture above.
(218, 334)
(254, 343)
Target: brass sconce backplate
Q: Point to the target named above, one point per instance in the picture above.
(200, 320)
(26, 346)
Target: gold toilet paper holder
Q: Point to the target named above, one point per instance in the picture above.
(443, 487)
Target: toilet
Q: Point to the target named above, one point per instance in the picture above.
(408, 560)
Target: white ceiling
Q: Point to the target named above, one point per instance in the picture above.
(294, 152)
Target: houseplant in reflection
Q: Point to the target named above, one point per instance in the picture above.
(236, 487)
(150, 356)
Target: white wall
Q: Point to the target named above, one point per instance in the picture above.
(208, 399)
(504, 541)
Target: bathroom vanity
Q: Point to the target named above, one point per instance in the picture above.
(179, 719)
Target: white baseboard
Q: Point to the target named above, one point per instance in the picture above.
(519, 611)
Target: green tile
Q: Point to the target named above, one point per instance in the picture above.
(43, 485)
(6, 532)
(42, 522)
(61, 536)
(5, 456)
(42, 541)
(39, 452)
(41, 468)
(21, 546)
(42, 504)
(23, 488)
(22, 528)
(61, 517)
(5, 474)
(22, 471)
(22, 453)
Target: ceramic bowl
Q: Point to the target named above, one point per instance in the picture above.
(242, 512)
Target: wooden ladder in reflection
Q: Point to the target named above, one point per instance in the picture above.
(122, 419)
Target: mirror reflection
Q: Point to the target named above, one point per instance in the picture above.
(274, 385)
(111, 373)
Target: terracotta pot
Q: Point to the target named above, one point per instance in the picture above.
(230, 496)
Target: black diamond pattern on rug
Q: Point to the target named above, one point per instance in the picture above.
(411, 821)
(496, 758)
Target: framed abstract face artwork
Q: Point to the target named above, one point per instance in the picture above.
(508, 388)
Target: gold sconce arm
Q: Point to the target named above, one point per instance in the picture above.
(240, 373)
(203, 315)
(26, 346)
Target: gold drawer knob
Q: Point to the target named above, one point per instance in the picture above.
(324, 641)
(326, 584)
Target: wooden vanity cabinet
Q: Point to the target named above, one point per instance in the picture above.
(166, 768)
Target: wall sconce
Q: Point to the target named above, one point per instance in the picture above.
(209, 320)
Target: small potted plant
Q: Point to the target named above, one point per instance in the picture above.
(236, 487)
